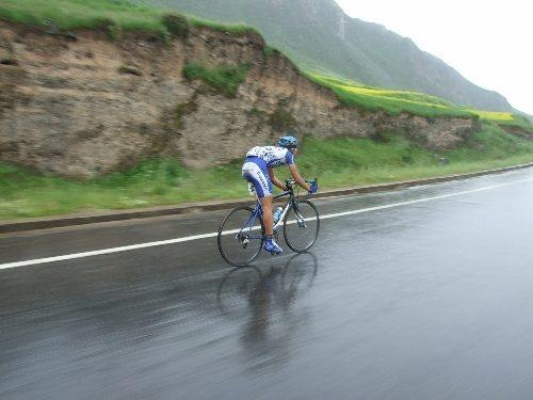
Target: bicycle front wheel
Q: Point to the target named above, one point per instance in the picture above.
(301, 226)
(240, 236)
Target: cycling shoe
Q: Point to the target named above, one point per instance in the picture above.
(272, 247)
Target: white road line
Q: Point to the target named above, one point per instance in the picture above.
(406, 203)
(104, 251)
(214, 234)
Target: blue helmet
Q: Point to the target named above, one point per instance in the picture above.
(289, 142)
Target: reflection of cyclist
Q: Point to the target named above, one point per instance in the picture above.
(258, 168)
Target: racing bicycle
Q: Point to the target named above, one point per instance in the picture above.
(241, 234)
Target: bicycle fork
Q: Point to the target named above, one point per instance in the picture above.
(300, 220)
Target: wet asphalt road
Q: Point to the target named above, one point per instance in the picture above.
(418, 294)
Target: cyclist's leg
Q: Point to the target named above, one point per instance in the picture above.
(270, 243)
(266, 203)
(257, 174)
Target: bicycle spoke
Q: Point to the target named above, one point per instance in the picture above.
(240, 236)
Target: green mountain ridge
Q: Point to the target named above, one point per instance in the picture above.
(320, 37)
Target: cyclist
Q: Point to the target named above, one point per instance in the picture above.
(258, 168)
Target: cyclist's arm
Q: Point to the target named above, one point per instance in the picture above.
(298, 178)
(274, 179)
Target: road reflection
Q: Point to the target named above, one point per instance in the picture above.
(116, 329)
(267, 302)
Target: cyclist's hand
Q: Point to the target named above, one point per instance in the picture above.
(313, 187)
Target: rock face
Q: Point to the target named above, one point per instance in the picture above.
(81, 105)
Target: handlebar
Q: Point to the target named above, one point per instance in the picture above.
(289, 183)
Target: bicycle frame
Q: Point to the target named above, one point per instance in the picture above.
(258, 209)
(286, 207)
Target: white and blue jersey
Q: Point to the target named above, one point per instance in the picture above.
(258, 160)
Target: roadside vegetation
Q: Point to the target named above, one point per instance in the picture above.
(338, 163)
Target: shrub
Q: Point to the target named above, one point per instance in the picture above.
(177, 25)
(182, 110)
(282, 120)
(110, 27)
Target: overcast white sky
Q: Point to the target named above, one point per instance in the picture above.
(489, 43)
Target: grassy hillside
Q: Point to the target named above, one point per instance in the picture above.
(341, 162)
(396, 101)
(308, 31)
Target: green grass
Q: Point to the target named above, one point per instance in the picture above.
(158, 182)
(338, 163)
(74, 14)
(129, 15)
(353, 94)
(354, 162)
(224, 80)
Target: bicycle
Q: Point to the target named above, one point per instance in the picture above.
(241, 234)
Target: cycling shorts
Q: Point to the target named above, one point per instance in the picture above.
(255, 170)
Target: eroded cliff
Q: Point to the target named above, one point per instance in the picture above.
(81, 105)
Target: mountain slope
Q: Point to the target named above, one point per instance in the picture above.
(317, 35)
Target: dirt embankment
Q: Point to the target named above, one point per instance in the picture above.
(81, 105)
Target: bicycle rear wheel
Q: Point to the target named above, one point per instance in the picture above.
(240, 236)
(301, 226)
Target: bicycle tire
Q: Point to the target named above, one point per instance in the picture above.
(239, 244)
(301, 226)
